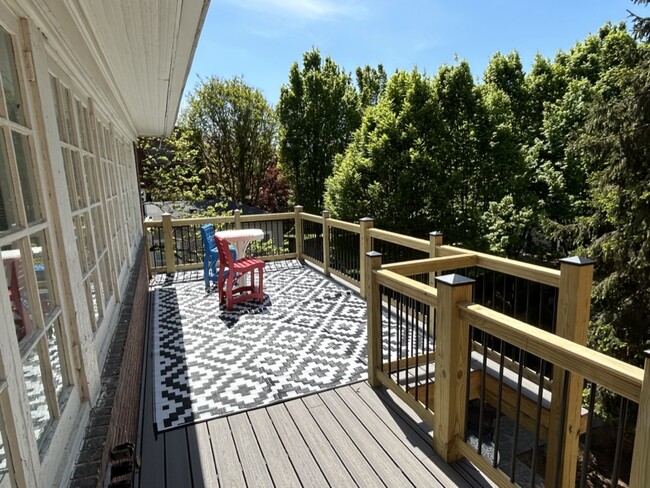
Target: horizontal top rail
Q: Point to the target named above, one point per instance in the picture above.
(406, 286)
(430, 265)
(613, 374)
(402, 240)
(191, 221)
(342, 224)
(533, 272)
(311, 217)
(266, 217)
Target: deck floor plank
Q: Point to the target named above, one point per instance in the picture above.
(277, 460)
(225, 453)
(409, 435)
(358, 466)
(468, 472)
(204, 470)
(301, 457)
(250, 456)
(414, 468)
(177, 459)
(328, 460)
(152, 446)
(387, 470)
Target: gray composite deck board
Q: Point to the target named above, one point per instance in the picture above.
(204, 470)
(372, 451)
(358, 467)
(225, 453)
(304, 463)
(330, 463)
(177, 460)
(277, 460)
(250, 455)
(152, 446)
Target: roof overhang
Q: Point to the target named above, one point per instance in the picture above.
(134, 54)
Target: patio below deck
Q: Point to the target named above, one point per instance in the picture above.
(338, 436)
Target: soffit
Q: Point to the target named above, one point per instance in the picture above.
(145, 49)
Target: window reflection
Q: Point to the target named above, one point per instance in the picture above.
(27, 177)
(36, 394)
(10, 83)
(8, 208)
(13, 263)
(43, 270)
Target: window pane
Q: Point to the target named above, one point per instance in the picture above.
(27, 177)
(69, 176)
(107, 284)
(78, 179)
(91, 297)
(10, 83)
(4, 455)
(44, 276)
(67, 114)
(90, 168)
(81, 245)
(8, 209)
(60, 122)
(98, 229)
(36, 394)
(55, 350)
(12, 261)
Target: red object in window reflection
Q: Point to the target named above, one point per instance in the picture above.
(22, 321)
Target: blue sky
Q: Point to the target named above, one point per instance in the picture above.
(260, 39)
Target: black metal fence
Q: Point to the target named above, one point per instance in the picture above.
(344, 252)
(312, 240)
(407, 337)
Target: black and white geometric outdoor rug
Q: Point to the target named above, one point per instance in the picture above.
(307, 336)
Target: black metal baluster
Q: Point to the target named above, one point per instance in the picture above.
(499, 399)
(587, 448)
(522, 357)
(622, 419)
(538, 421)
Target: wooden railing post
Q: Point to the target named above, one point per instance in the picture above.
(372, 262)
(237, 214)
(326, 243)
(574, 301)
(170, 261)
(365, 246)
(640, 472)
(451, 365)
(435, 239)
(298, 224)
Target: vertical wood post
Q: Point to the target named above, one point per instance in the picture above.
(170, 261)
(372, 262)
(326, 243)
(640, 472)
(237, 214)
(451, 365)
(298, 226)
(365, 246)
(435, 239)
(574, 301)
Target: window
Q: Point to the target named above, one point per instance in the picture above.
(80, 138)
(26, 256)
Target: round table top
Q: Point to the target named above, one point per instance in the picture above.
(243, 234)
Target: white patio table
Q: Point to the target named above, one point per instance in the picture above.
(241, 238)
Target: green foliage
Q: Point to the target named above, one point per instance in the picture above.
(170, 170)
(371, 83)
(318, 110)
(233, 130)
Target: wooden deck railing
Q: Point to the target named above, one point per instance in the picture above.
(507, 339)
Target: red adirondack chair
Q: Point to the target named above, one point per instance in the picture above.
(237, 270)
